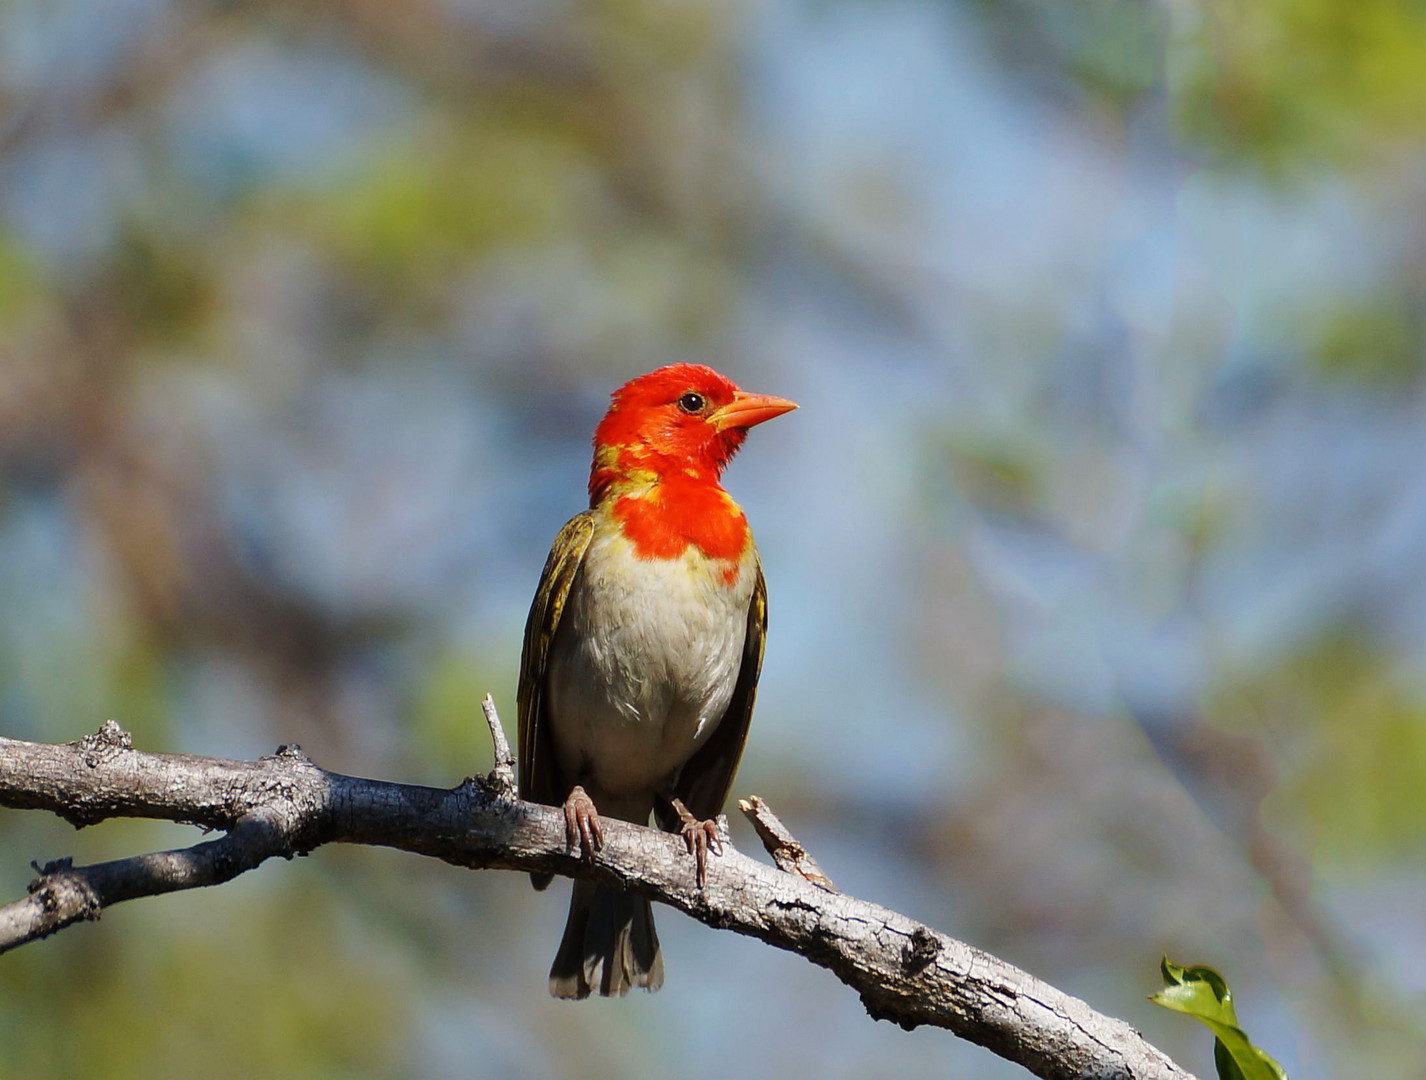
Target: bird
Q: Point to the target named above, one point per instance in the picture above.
(642, 653)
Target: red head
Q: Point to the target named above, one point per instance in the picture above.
(684, 420)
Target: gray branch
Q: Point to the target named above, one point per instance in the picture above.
(786, 852)
(285, 805)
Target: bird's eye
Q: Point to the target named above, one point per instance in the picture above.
(691, 402)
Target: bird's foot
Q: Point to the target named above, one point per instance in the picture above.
(699, 835)
(581, 824)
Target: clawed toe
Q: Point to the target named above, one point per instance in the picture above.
(581, 824)
(700, 836)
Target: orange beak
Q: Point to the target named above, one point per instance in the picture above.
(746, 410)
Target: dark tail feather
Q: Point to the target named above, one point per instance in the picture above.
(609, 945)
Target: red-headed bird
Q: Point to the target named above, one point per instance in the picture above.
(642, 652)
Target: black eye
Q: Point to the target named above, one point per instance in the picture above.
(691, 402)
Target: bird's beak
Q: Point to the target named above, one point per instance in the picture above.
(745, 410)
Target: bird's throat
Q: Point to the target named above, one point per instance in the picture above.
(662, 509)
(661, 521)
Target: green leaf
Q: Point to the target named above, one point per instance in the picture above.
(1202, 993)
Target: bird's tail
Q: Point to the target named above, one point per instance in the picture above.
(609, 945)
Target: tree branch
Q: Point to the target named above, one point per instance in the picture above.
(64, 894)
(786, 852)
(284, 804)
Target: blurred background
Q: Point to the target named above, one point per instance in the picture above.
(1095, 554)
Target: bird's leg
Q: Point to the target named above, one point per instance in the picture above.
(698, 835)
(581, 823)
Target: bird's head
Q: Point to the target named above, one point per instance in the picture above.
(684, 419)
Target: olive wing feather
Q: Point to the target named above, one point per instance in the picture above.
(539, 779)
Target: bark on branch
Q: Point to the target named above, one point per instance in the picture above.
(286, 805)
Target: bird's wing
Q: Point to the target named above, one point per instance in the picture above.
(538, 770)
(704, 782)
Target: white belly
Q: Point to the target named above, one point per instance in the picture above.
(642, 667)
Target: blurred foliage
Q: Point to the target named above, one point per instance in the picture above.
(161, 290)
(1376, 342)
(1116, 46)
(417, 210)
(1276, 86)
(1111, 50)
(20, 281)
(1349, 721)
(1001, 474)
(1202, 993)
(446, 721)
(274, 994)
(1282, 84)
